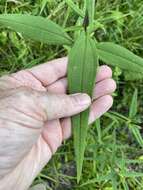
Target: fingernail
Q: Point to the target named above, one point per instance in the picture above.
(82, 99)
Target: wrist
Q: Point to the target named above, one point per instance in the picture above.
(27, 170)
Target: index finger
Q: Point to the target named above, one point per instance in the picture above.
(51, 71)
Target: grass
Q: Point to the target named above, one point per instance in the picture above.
(114, 155)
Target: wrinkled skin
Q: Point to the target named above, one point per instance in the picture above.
(35, 118)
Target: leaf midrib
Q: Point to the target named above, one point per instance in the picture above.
(80, 115)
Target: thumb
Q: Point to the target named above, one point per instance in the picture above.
(61, 105)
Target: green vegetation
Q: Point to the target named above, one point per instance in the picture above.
(114, 155)
(81, 76)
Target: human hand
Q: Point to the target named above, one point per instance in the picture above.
(35, 117)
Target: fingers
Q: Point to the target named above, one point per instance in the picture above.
(104, 72)
(50, 72)
(104, 87)
(57, 106)
(66, 128)
(99, 107)
(60, 86)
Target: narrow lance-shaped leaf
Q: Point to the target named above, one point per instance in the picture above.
(134, 105)
(136, 132)
(82, 68)
(75, 7)
(36, 28)
(132, 174)
(131, 76)
(98, 128)
(116, 55)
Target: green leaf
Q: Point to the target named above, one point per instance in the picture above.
(75, 7)
(90, 4)
(98, 179)
(116, 55)
(108, 128)
(136, 132)
(98, 127)
(36, 27)
(125, 185)
(133, 106)
(83, 62)
(114, 183)
(132, 174)
(117, 115)
(131, 76)
(43, 3)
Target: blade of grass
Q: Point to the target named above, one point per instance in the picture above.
(98, 127)
(43, 3)
(133, 106)
(136, 132)
(75, 8)
(132, 174)
(97, 180)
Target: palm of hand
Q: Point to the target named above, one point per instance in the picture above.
(35, 138)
